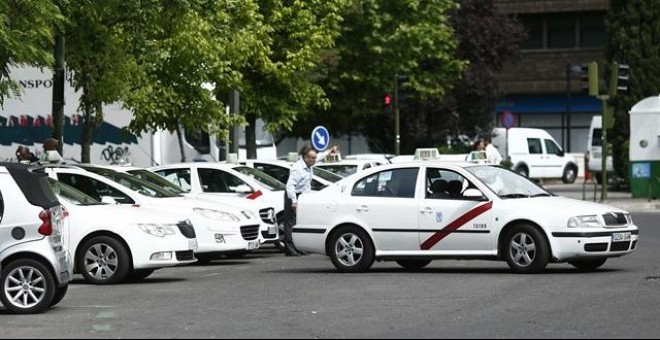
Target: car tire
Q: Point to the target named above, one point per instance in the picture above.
(526, 249)
(522, 171)
(39, 295)
(60, 293)
(103, 260)
(351, 250)
(570, 174)
(140, 274)
(413, 264)
(588, 265)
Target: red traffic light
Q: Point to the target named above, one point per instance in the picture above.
(387, 99)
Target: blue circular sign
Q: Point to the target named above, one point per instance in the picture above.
(320, 138)
(508, 119)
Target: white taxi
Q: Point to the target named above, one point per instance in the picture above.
(422, 211)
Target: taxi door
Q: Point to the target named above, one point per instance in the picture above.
(385, 203)
(450, 223)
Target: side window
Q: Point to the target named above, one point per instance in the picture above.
(178, 177)
(218, 181)
(535, 147)
(94, 188)
(398, 183)
(551, 148)
(446, 185)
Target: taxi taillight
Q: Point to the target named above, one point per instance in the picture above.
(46, 227)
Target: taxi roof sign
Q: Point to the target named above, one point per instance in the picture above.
(426, 154)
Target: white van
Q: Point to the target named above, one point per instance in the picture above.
(535, 154)
(594, 154)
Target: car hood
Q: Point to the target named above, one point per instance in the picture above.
(121, 214)
(562, 206)
(185, 205)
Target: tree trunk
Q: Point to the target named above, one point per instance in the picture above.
(251, 137)
(88, 128)
(180, 137)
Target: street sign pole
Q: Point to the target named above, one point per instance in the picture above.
(397, 126)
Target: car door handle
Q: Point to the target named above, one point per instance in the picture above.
(363, 208)
(426, 211)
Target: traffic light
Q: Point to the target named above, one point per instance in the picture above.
(619, 79)
(622, 78)
(589, 78)
(387, 99)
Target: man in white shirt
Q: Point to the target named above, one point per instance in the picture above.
(492, 155)
(300, 181)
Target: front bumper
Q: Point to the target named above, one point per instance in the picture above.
(576, 245)
(150, 252)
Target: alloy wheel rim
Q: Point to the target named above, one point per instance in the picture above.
(101, 261)
(25, 287)
(349, 249)
(523, 249)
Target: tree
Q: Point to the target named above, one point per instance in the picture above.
(179, 46)
(98, 59)
(279, 80)
(26, 37)
(379, 39)
(632, 31)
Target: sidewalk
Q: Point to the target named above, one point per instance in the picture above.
(617, 199)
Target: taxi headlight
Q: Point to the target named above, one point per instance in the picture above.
(588, 221)
(159, 230)
(217, 215)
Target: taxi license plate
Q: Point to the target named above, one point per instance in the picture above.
(192, 244)
(621, 237)
(253, 245)
(272, 230)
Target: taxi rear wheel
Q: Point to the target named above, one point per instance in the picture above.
(588, 265)
(526, 250)
(413, 264)
(351, 250)
(28, 287)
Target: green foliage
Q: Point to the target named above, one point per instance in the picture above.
(632, 39)
(26, 37)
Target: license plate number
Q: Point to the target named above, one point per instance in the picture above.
(253, 245)
(272, 230)
(192, 244)
(621, 237)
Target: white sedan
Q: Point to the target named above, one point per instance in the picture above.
(112, 243)
(418, 212)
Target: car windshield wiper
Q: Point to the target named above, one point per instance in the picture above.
(515, 196)
(542, 195)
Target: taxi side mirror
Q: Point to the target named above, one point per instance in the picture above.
(243, 189)
(108, 200)
(474, 195)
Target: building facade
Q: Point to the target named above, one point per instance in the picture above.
(543, 88)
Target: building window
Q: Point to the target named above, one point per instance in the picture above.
(561, 31)
(564, 30)
(592, 30)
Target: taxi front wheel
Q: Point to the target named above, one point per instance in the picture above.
(526, 250)
(351, 250)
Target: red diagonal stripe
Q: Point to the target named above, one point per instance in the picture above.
(453, 226)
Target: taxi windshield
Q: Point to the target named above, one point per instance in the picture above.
(343, 170)
(265, 180)
(507, 184)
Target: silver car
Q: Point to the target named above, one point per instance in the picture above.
(35, 267)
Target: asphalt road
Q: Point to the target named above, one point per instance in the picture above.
(268, 295)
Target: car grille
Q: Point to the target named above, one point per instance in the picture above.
(268, 236)
(250, 232)
(186, 229)
(620, 246)
(187, 255)
(615, 219)
(592, 247)
(268, 215)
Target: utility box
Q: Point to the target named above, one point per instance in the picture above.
(645, 148)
